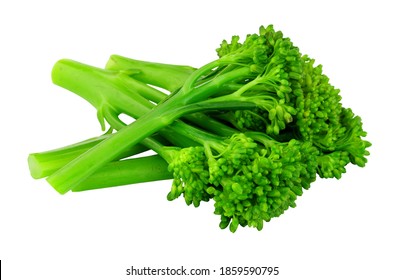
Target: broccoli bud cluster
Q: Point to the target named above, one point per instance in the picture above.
(190, 175)
(295, 97)
(255, 179)
(251, 176)
(251, 179)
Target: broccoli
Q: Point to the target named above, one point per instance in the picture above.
(250, 130)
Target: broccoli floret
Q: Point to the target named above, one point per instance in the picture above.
(251, 177)
(191, 175)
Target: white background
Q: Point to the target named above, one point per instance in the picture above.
(346, 229)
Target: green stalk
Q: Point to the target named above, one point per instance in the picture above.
(45, 163)
(201, 137)
(77, 77)
(167, 133)
(126, 172)
(167, 76)
(211, 124)
(172, 76)
(196, 75)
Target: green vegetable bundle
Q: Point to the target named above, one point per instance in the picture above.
(251, 129)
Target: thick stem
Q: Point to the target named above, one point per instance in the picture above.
(167, 76)
(126, 172)
(45, 163)
(176, 139)
(143, 89)
(102, 88)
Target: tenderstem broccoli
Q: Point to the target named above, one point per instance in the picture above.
(250, 130)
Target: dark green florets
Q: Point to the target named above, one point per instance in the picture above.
(255, 119)
(276, 86)
(253, 51)
(253, 181)
(251, 177)
(352, 141)
(332, 165)
(319, 108)
(322, 119)
(295, 96)
(190, 176)
(265, 186)
(226, 48)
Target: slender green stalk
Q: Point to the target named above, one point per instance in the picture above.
(167, 76)
(126, 172)
(196, 75)
(211, 124)
(172, 76)
(195, 134)
(43, 164)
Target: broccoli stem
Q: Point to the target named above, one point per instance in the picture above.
(200, 136)
(116, 173)
(167, 76)
(126, 172)
(43, 164)
(78, 77)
